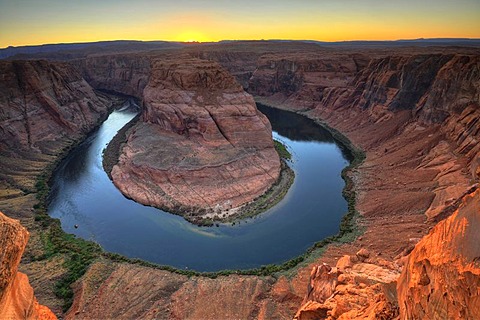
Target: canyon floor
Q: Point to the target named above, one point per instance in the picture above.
(415, 113)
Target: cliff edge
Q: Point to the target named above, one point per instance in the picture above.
(17, 300)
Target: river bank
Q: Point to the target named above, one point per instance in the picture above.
(202, 217)
(288, 210)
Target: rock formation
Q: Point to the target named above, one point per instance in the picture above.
(44, 107)
(201, 143)
(125, 74)
(354, 289)
(441, 277)
(44, 102)
(17, 300)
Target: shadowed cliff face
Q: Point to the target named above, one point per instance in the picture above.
(16, 295)
(127, 74)
(43, 102)
(397, 82)
(304, 80)
(44, 108)
(201, 142)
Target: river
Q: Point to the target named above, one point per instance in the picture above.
(83, 196)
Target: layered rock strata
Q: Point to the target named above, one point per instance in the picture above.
(123, 73)
(17, 300)
(44, 107)
(201, 145)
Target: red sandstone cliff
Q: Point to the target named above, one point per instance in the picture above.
(201, 142)
(393, 108)
(441, 278)
(123, 73)
(43, 102)
(44, 106)
(17, 300)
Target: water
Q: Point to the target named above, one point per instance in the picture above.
(83, 195)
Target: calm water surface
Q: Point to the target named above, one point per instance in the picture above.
(83, 195)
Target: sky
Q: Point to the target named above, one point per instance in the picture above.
(30, 22)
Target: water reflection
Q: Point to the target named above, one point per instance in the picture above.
(83, 195)
(299, 128)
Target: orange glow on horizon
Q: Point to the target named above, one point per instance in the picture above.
(191, 36)
(210, 21)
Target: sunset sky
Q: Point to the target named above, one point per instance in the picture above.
(24, 22)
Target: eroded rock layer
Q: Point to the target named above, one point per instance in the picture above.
(44, 107)
(201, 143)
(441, 278)
(17, 300)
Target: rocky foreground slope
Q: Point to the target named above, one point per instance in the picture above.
(439, 280)
(201, 146)
(17, 300)
(415, 113)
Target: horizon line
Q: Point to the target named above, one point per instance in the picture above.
(246, 40)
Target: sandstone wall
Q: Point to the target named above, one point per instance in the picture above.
(43, 102)
(44, 107)
(123, 73)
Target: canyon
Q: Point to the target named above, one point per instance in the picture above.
(413, 111)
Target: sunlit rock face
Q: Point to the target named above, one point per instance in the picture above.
(442, 275)
(201, 143)
(17, 300)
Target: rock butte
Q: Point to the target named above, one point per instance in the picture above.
(201, 146)
(415, 112)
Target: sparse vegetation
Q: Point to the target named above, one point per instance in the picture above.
(79, 254)
(282, 150)
(111, 153)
